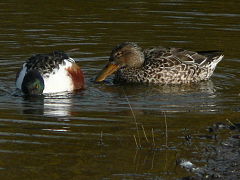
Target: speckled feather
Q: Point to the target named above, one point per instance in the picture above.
(47, 63)
(171, 66)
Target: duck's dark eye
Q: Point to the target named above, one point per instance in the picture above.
(118, 54)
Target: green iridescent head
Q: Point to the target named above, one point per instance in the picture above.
(33, 83)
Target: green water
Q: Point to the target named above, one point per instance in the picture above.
(90, 134)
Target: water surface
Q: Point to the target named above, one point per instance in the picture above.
(90, 134)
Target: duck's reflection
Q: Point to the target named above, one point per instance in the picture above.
(57, 105)
(206, 87)
(201, 97)
(136, 89)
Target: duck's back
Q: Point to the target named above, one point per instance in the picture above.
(172, 66)
(47, 63)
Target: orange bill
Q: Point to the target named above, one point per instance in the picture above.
(107, 71)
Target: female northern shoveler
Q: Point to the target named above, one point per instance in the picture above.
(159, 65)
(49, 73)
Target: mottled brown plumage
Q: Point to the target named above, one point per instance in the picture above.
(159, 65)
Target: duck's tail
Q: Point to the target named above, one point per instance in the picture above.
(212, 58)
(211, 61)
(215, 61)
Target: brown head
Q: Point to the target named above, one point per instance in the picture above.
(127, 54)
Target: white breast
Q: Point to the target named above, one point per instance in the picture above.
(21, 76)
(59, 80)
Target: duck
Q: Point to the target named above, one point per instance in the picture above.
(159, 65)
(49, 73)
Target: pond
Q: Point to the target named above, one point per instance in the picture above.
(113, 131)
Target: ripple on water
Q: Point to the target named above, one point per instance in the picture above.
(84, 134)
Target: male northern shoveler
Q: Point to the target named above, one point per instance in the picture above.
(49, 73)
(159, 65)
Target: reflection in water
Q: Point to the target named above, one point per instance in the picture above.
(168, 98)
(151, 159)
(206, 87)
(33, 105)
(58, 105)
